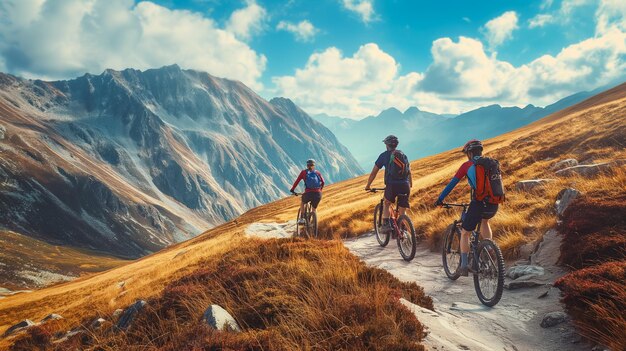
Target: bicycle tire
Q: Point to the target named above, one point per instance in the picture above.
(298, 225)
(382, 238)
(408, 255)
(452, 241)
(485, 245)
(312, 222)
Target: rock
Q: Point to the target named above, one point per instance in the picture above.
(3, 132)
(553, 318)
(126, 319)
(525, 251)
(548, 250)
(218, 318)
(117, 312)
(25, 324)
(564, 199)
(531, 184)
(570, 162)
(522, 270)
(590, 170)
(51, 317)
(526, 281)
(97, 323)
(544, 294)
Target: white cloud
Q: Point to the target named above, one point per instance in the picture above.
(363, 8)
(247, 21)
(63, 39)
(500, 29)
(303, 31)
(611, 14)
(540, 20)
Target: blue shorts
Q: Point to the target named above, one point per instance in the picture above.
(477, 211)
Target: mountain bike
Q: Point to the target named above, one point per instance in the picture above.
(309, 228)
(485, 260)
(401, 228)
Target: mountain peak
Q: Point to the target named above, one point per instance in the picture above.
(411, 110)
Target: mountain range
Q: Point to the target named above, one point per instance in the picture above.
(127, 162)
(423, 133)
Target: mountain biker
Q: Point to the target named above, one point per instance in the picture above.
(393, 187)
(313, 183)
(478, 210)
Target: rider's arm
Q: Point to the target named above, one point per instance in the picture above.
(322, 180)
(295, 184)
(372, 176)
(410, 179)
(462, 172)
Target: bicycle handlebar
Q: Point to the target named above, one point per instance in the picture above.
(374, 190)
(450, 205)
(296, 194)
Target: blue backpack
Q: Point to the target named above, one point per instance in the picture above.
(312, 180)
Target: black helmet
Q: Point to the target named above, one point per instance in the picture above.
(472, 145)
(391, 140)
(310, 162)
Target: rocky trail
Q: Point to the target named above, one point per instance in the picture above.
(460, 321)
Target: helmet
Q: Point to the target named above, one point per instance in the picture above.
(310, 162)
(472, 145)
(391, 140)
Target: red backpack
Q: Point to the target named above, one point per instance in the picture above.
(489, 185)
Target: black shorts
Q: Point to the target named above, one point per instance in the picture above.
(477, 211)
(394, 190)
(314, 197)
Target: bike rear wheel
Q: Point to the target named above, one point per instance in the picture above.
(312, 225)
(451, 252)
(382, 238)
(407, 243)
(298, 225)
(489, 280)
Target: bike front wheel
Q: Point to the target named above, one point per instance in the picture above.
(382, 238)
(312, 225)
(451, 252)
(489, 279)
(407, 243)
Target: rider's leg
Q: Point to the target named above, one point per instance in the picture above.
(386, 213)
(485, 229)
(465, 247)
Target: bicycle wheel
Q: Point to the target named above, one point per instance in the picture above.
(407, 244)
(383, 238)
(451, 252)
(489, 280)
(298, 225)
(312, 225)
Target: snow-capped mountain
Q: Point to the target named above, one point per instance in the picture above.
(127, 162)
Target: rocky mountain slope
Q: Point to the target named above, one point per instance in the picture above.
(425, 133)
(129, 162)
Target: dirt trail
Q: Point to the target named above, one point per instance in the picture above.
(460, 321)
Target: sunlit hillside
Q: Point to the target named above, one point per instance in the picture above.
(593, 130)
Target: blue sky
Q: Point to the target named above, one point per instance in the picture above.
(349, 58)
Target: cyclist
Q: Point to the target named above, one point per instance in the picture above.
(313, 183)
(395, 183)
(478, 210)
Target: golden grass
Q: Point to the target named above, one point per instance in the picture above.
(593, 130)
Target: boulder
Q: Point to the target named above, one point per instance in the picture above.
(525, 281)
(127, 317)
(522, 270)
(548, 250)
(3, 132)
(97, 323)
(586, 170)
(531, 184)
(564, 199)
(570, 162)
(218, 318)
(51, 317)
(25, 324)
(553, 318)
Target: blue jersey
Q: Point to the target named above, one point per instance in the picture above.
(382, 162)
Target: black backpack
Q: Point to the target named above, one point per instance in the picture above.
(489, 186)
(398, 167)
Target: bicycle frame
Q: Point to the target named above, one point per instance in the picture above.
(474, 235)
(393, 211)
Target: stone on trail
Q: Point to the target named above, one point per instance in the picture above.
(217, 317)
(522, 270)
(570, 162)
(553, 318)
(564, 199)
(126, 319)
(27, 323)
(525, 281)
(548, 250)
(531, 184)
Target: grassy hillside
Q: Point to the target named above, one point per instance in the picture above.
(593, 129)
